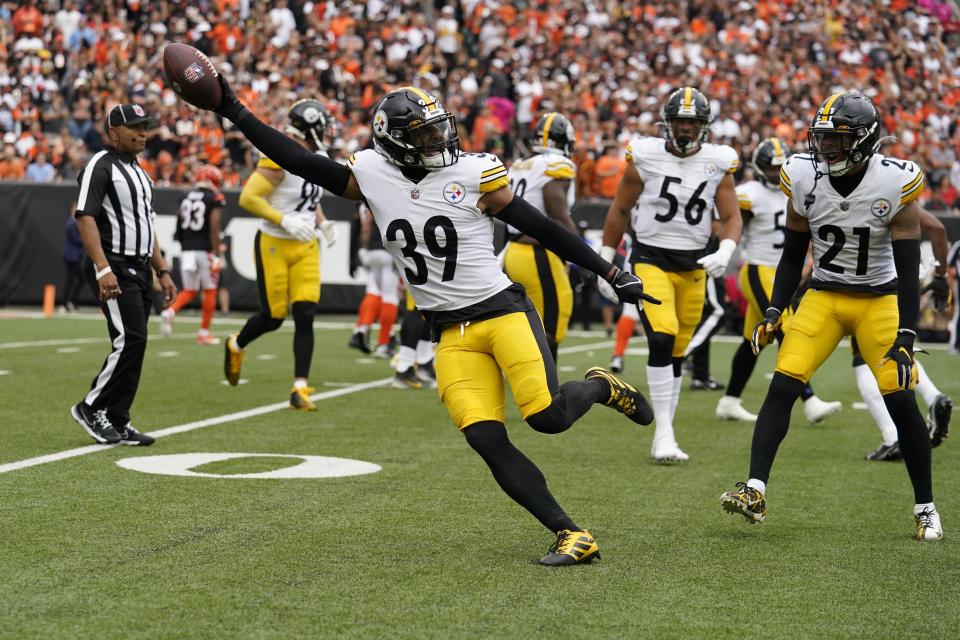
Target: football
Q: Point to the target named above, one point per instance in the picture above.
(191, 75)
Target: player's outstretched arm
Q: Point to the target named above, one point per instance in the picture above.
(515, 211)
(287, 153)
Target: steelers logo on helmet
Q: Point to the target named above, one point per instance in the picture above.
(411, 128)
(453, 192)
(310, 121)
(685, 117)
(844, 133)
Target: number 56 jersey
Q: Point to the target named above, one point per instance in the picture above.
(440, 241)
(852, 250)
(676, 205)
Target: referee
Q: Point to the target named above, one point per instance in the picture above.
(115, 217)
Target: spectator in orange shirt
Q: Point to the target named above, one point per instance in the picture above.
(608, 170)
(11, 167)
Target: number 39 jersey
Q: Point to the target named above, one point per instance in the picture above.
(440, 241)
(529, 176)
(763, 234)
(293, 196)
(852, 250)
(677, 202)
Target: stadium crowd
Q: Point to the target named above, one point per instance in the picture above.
(765, 64)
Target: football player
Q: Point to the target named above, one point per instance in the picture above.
(667, 196)
(286, 250)
(382, 295)
(544, 180)
(433, 205)
(763, 208)
(860, 210)
(939, 405)
(198, 231)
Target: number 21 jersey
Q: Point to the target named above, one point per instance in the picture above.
(440, 241)
(676, 206)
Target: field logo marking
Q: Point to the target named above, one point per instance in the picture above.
(182, 464)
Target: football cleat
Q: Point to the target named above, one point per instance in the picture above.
(406, 380)
(132, 437)
(938, 419)
(706, 384)
(616, 364)
(166, 323)
(571, 547)
(383, 351)
(623, 397)
(746, 501)
(205, 338)
(95, 423)
(818, 410)
(232, 359)
(666, 450)
(886, 453)
(427, 374)
(928, 524)
(358, 341)
(300, 399)
(729, 408)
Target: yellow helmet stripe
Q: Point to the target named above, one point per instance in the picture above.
(825, 113)
(427, 99)
(545, 137)
(777, 147)
(687, 97)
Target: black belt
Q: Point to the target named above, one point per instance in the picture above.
(138, 260)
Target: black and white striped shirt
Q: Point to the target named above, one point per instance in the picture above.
(119, 195)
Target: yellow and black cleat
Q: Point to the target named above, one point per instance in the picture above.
(623, 397)
(746, 501)
(571, 547)
(300, 399)
(232, 360)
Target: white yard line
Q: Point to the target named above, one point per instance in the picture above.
(190, 426)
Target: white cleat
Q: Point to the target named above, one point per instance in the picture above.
(166, 323)
(616, 364)
(729, 408)
(666, 451)
(928, 524)
(818, 410)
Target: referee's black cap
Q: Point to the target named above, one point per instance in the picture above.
(125, 115)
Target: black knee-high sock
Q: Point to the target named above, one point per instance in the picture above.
(773, 421)
(914, 442)
(517, 475)
(255, 327)
(572, 401)
(741, 369)
(303, 313)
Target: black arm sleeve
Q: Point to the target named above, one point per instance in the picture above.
(906, 259)
(790, 269)
(312, 167)
(552, 236)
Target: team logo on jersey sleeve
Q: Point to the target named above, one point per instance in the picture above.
(710, 169)
(880, 207)
(453, 192)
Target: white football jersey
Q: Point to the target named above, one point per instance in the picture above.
(293, 196)
(439, 239)
(852, 249)
(763, 233)
(529, 176)
(677, 202)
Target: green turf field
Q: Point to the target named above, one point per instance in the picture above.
(429, 547)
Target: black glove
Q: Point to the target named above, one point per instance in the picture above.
(629, 289)
(939, 292)
(901, 352)
(230, 106)
(766, 330)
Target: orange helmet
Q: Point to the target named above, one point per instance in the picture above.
(208, 175)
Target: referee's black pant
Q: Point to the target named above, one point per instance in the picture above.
(116, 385)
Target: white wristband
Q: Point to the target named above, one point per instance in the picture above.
(104, 272)
(608, 253)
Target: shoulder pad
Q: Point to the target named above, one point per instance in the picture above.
(559, 167)
(267, 163)
(493, 175)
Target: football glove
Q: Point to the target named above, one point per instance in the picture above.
(298, 228)
(328, 231)
(766, 330)
(901, 353)
(628, 289)
(215, 263)
(939, 292)
(230, 106)
(715, 264)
